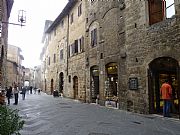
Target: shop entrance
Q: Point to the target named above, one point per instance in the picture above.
(160, 69)
(111, 91)
(94, 83)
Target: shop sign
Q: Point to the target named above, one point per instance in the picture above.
(133, 83)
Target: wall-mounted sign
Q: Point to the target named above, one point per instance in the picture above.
(133, 83)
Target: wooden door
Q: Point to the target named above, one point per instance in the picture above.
(52, 84)
(75, 86)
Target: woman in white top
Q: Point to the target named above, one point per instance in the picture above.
(15, 91)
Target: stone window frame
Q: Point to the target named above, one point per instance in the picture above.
(54, 58)
(93, 37)
(77, 46)
(61, 52)
(80, 44)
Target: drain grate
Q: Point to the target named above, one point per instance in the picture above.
(63, 103)
(98, 134)
(104, 123)
(66, 107)
(136, 122)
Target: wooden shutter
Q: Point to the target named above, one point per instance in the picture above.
(92, 38)
(69, 50)
(82, 44)
(72, 49)
(156, 11)
(95, 36)
(76, 46)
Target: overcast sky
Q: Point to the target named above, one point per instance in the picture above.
(28, 38)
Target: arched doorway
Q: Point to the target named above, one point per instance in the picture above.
(111, 83)
(160, 69)
(75, 87)
(52, 84)
(94, 83)
(61, 82)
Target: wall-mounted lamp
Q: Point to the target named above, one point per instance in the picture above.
(21, 19)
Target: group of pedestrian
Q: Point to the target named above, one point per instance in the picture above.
(14, 92)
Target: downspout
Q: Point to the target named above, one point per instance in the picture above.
(67, 45)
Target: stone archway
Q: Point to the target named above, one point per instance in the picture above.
(160, 69)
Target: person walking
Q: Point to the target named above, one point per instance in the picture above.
(166, 93)
(39, 91)
(23, 93)
(16, 92)
(31, 89)
(9, 94)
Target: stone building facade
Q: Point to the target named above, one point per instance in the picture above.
(129, 49)
(43, 56)
(37, 77)
(15, 70)
(152, 47)
(64, 52)
(104, 42)
(5, 10)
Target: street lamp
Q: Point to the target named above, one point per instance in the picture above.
(21, 19)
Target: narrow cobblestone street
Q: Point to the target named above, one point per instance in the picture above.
(46, 115)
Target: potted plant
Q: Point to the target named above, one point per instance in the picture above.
(10, 121)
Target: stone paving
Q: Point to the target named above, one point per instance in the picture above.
(46, 115)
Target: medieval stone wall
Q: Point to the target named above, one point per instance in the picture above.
(76, 62)
(4, 36)
(143, 44)
(106, 16)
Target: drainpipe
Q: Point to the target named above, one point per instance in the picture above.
(67, 45)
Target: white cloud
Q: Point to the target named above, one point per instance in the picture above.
(28, 38)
